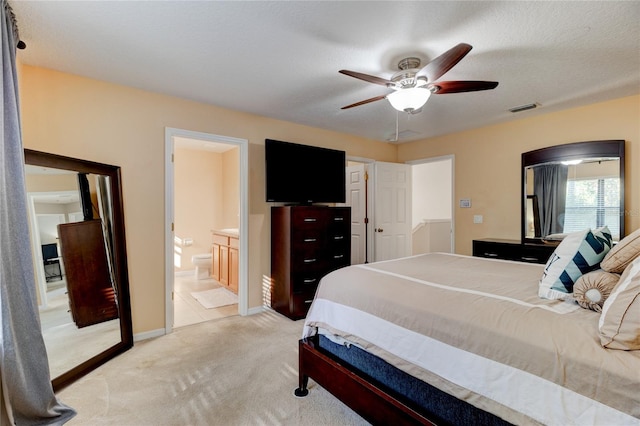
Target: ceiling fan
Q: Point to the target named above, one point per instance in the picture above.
(412, 86)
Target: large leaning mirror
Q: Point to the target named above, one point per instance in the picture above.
(568, 188)
(80, 263)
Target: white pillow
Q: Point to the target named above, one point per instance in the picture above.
(578, 253)
(619, 323)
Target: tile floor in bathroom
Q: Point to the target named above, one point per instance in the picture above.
(187, 310)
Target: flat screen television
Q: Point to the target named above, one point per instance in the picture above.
(303, 174)
(49, 251)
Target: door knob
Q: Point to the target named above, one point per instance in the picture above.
(379, 230)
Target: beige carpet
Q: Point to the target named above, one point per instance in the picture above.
(215, 298)
(232, 371)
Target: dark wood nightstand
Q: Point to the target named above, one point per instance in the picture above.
(512, 250)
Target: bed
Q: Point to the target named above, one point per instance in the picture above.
(452, 339)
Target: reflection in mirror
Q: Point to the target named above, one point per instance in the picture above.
(533, 229)
(575, 186)
(77, 240)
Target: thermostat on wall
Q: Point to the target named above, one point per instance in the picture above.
(465, 203)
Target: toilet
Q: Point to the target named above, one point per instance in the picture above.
(202, 262)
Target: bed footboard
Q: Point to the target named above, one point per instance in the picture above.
(372, 403)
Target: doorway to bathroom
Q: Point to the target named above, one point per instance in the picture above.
(205, 265)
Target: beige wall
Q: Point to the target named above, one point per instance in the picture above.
(431, 191)
(488, 160)
(231, 189)
(95, 120)
(51, 182)
(198, 201)
(99, 121)
(207, 197)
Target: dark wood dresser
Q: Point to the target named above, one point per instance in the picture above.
(307, 242)
(512, 250)
(92, 298)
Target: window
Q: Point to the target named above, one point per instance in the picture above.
(592, 203)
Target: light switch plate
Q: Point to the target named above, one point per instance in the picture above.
(465, 203)
(477, 218)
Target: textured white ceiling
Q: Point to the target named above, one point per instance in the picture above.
(281, 59)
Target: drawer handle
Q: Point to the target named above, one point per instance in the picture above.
(338, 219)
(309, 280)
(338, 237)
(529, 258)
(309, 260)
(491, 255)
(308, 302)
(338, 256)
(310, 219)
(310, 240)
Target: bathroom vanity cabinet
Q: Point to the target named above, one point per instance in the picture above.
(225, 258)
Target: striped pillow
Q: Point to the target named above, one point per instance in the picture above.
(579, 253)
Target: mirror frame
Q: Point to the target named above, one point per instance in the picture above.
(571, 151)
(38, 158)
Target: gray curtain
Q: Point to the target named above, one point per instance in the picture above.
(27, 394)
(550, 186)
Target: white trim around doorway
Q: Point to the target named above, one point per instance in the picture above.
(243, 287)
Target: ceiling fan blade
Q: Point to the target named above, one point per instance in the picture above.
(366, 101)
(366, 77)
(443, 87)
(443, 63)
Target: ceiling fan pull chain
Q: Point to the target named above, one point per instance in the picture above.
(397, 118)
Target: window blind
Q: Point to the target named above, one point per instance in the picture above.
(592, 203)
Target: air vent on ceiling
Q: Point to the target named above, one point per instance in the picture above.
(523, 107)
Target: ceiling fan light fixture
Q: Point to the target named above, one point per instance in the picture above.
(408, 100)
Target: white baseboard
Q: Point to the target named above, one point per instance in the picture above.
(149, 334)
(256, 310)
(161, 331)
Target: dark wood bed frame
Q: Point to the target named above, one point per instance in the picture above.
(374, 404)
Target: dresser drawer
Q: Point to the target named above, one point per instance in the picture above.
(307, 238)
(306, 282)
(340, 219)
(535, 253)
(496, 249)
(234, 242)
(338, 258)
(220, 239)
(310, 218)
(308, 261)
(338, 238)
(512, 250)
(301, 304)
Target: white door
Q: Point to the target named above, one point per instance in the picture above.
(356, 198)
(392, 220)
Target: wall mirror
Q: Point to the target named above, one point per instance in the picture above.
(568, 188)
(80, 263)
